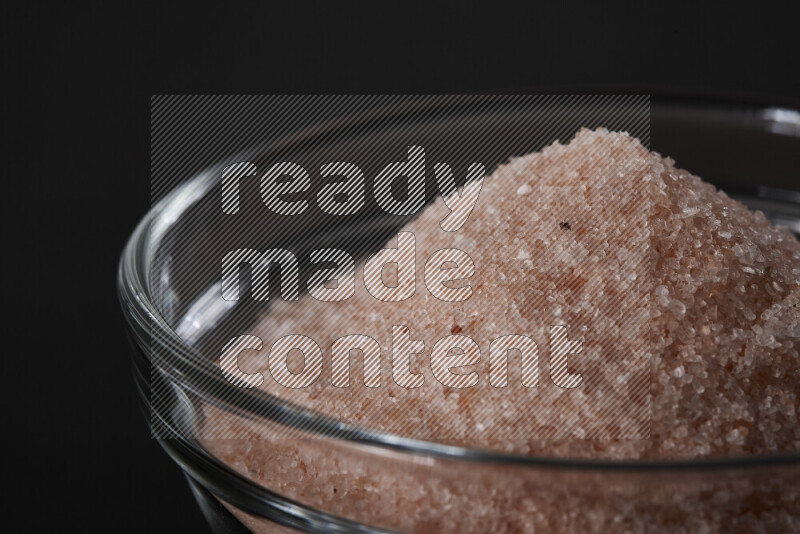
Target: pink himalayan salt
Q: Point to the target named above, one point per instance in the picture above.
(722, 322)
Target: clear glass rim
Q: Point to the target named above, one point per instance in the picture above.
(176, 357)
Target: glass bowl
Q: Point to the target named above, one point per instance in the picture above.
(386, 482)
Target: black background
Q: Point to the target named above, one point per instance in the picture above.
(77, 81)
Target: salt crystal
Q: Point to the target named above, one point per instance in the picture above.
(677, 307)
